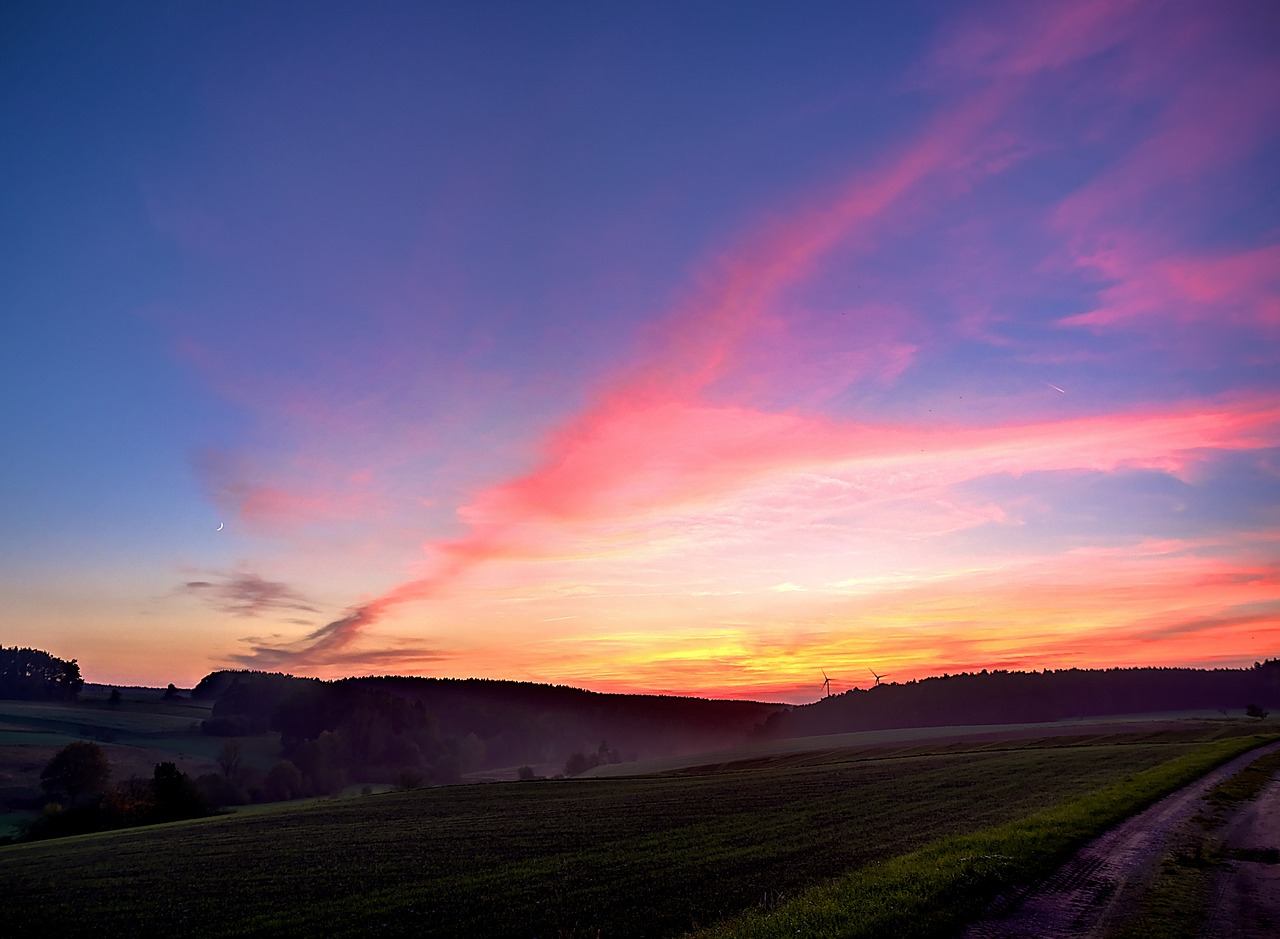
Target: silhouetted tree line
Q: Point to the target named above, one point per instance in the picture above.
(1005, 697)
(416, 731)
(33, 675)
(79, 799)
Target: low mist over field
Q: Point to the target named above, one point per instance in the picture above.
(259, 736)
(514, 809)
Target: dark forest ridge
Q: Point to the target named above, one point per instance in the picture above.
(471, 724)
(1001, 697)
(375, 728)
(307, 737)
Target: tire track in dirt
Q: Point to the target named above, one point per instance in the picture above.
(1093, 889)
(1245, 901)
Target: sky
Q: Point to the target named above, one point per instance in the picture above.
(700, 348)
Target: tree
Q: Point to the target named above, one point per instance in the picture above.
(77, 769)
(1256, 710)
(176, 795)
(171, 692)
(229, 759)
(526, 774)
(283, 782)
(30, 674)
(113, 699)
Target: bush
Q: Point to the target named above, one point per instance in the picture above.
(132, 802)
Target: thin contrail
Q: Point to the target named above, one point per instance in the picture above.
(1054, 387)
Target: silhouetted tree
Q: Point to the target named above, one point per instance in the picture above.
(229, 759)
(77, 769)
(113, 699)
(320, 761)
(171, 692)
(177, 796)
(1256, 710)
(526, 773)
(283, 782)
(30, 674)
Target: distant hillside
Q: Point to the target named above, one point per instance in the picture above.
(381, 728)
(1001, 697)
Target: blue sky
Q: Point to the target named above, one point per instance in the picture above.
(683, 348)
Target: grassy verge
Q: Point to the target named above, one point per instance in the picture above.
(934, 890)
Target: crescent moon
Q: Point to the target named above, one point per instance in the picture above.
(219, 528)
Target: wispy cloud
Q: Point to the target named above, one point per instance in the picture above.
(719, 412)
(246, 594)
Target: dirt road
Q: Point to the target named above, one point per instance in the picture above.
(1100, 884)
(1245, 900)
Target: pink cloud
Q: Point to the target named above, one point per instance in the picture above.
(1218, 118)
(629, 465)
(1129, 224)
(672, 432)
(1240, 289)
(318, 494)
(1017, 40)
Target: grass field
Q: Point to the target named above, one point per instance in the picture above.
(772, 750)
(142, 730)
(135, 721)
(647, 856)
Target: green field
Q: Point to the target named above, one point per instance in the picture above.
(132, 721)
(142, 730)
(649, 856)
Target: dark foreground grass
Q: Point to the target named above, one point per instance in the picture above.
(619, 857)
(933, 891)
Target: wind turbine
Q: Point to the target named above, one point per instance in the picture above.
(826, 684)
(875, 676)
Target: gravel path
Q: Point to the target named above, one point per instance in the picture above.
(1091, 891)
(1246, 892)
